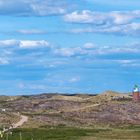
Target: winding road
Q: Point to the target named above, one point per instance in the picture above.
(21, 122)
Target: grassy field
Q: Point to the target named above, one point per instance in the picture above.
(62, 133)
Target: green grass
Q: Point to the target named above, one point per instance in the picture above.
(47, 134)
(65, 133)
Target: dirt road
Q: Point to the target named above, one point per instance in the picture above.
(82, 108)
(21, 122)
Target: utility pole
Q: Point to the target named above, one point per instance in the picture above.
(7, 136)
(20, 136)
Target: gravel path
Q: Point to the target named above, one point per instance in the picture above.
(21, 122)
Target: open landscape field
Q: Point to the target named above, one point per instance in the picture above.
(109, 108)
(107, 116)
(69, 70)
(64, 133)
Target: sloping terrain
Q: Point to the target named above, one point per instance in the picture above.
(109, 108)
(7, 119)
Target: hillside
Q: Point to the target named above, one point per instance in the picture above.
(109, 108)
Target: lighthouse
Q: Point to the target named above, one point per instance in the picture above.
(136, 94)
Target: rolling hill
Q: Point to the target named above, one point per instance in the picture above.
(109, 108)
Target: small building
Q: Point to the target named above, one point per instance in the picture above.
(135, 94)
(3, 110)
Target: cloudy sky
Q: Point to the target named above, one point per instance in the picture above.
(79, 46)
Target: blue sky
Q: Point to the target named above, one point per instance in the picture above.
(80, 46)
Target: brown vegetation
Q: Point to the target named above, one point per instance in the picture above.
(109, 108)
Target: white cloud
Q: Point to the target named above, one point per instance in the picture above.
(68, 52)
(102, 18)
(121, 3)
(37, 87)
(20, 51)
(130, 29)
(73, 51)
(89, 45)
(43, 8)
(114, 22)
(7, 43)
(32, 7)
(31, 86)
(90, 50)
(31, 31)
(130, 63)
(4, 61)
(84, 17)
(12, 50)
(82, 30)
(74, 79)
(33, 44)
(21, 85)
(27, 44)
